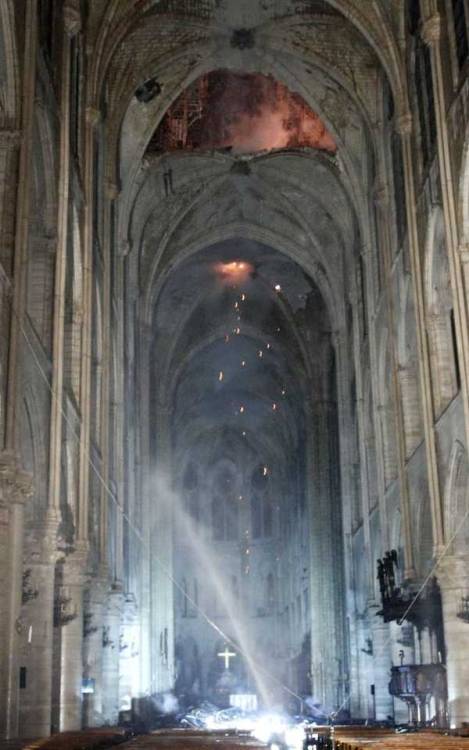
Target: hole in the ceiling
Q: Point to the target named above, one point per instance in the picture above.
(240, 112)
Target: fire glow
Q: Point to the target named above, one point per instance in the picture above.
(234, 272)
(242, 112)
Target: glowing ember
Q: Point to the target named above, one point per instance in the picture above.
(243, 112)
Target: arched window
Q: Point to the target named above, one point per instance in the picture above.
(399, 186)
(261, 507)
(269, 593)
(191, 492)
(225, 506)
(184, 599)
(460, 30)
(423, 81)
(442, 341)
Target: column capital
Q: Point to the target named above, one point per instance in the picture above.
(464, 252)
(72, 18)
(112, 189)
(453, 572)
(75, 566)
(431, 30)
(93, 116)
(403, 124)
(42, 541)
(380, 194)
(16, 484)
(10, 138)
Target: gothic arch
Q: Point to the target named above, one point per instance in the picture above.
(9, 65)
(386, 411)
(439, 314)
(457, 500)
(408, 368)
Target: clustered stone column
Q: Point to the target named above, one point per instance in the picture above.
(454, 581)
(38, 629)
(68, 616)
(15, 488)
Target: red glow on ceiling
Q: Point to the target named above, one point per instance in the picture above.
(245, 113)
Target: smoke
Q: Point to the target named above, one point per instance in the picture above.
(166, 703)
(245, 113)
(207, 565)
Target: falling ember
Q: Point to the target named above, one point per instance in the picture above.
(244, 112)
(243, 298)
(265, 471)
(274, 407)
(283, 391)
(278, 288)
(268, 346)
(243, 363)
(235, 271)
(220, 376)
(236, 307)
(237, 331)
(241, 409)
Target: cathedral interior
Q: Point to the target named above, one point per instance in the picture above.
(234, 360)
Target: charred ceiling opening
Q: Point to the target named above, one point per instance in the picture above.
(240, 112)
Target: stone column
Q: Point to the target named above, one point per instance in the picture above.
(68, 616)
(404, 128)
(15, 487)
(37, 637)
(110, 643)
(403, 648)
(432, 34)
(162, 594)
(93, 652)
(454, 582)
(393, 424)
(382, 662)
(327, 583)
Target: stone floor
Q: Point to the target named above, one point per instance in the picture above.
(88, 739)
(100, 739)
